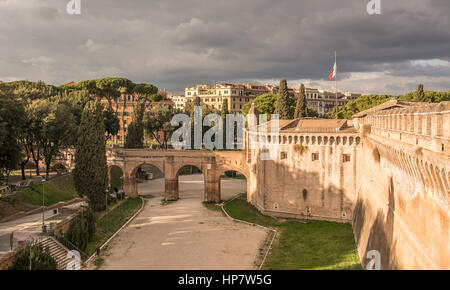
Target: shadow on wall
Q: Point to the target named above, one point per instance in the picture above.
(380, 236)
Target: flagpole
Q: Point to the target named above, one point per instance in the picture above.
(335, 83)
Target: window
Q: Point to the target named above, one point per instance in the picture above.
(314, 156)
(283, 155)
(346, 158)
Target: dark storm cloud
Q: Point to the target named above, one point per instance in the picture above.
(177, 43)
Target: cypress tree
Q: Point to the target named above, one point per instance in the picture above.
(91, 172)
(301, 109)
(420, 95)
(223, 114)
(282, 105)
(135, 136)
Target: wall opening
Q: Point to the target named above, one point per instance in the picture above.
(232, 183)
(191, 183)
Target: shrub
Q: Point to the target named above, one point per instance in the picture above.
(40, 259)
(82, 229)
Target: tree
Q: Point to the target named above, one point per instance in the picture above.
(282, 105)
(420, 95)
(264, 104)
(40, 259)
(157, 123)
(301, 109)
(91, 172)
(135, 135)
(111, 122)
(146, 92)
(53, 128)
(224, 110)
(11, 123)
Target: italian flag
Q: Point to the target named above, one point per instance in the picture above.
(333, 72)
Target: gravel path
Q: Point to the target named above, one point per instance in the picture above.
(184, 234)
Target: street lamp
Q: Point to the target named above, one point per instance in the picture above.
(106, 215)
(43, 207)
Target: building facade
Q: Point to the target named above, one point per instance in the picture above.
(123, 107)
(240, 94)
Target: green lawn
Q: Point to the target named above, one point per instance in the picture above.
(313, 246)
(115, 219)
(57, 189)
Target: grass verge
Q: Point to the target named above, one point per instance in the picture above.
(56, 190)
(318, 245)
(115, 219)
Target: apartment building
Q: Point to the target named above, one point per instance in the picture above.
(212, 96)
(179, 101)
(123, 106)
(240, 94)
(323, 101)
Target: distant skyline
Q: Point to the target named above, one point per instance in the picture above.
(173, 44)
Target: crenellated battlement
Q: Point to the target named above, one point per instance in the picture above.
(426, 126)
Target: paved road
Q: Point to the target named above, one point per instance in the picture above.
(27, 226)
(184, 234)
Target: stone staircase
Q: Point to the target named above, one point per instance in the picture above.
(57, 251)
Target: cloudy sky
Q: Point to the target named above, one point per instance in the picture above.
(174, 43)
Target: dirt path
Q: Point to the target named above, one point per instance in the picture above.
(184, 234)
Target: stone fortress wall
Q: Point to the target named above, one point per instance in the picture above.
(312, 176)
(389, 177)
(402, 208)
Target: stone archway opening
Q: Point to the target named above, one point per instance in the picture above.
(58, 169)
(191, 182)
(232, 183)
(149, 180)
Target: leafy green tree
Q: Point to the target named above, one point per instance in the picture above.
(111, 122)
(11, 124)
(91, 173)
(53, 128)
(282, 107)
(301, 109)
(135, 137)
(420, 95)
(264, 104)
(157, 123)
(146, 92)
(40, 259)
(81, 230)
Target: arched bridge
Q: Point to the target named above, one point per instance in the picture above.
(212, 164)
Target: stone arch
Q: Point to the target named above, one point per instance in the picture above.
(60, 168)
(357, 140)
(225, 168)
